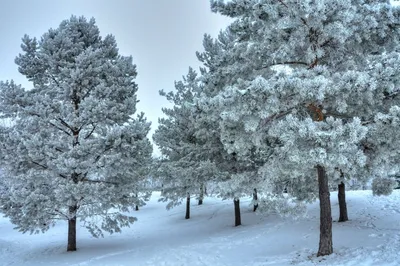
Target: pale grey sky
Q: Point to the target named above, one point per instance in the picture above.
(161, 35)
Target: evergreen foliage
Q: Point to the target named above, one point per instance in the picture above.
(184, 167)
(313, 76)
(75, 151)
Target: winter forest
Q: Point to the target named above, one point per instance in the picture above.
(283, 148)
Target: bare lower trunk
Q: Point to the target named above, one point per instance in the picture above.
(201, 197)
(137, 205)
(187, 216)
(325, 237)
(236, 203)
(255, 200)
(72, 229)
(342, 203)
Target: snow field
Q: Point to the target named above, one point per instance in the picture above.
(161, 237)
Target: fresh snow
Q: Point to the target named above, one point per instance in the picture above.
(161, 237)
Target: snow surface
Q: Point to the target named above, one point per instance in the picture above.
(161, 237)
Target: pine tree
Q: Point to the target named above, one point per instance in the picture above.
(237, 164)
(325, 68)
(184, 167)
(74, 150)
(384, 148)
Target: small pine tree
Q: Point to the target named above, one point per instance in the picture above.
(183, 168)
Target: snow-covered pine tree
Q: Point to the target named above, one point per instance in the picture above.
(223, 65)
(74, 151)
(322, 63)
(184, 167)
(384, 148)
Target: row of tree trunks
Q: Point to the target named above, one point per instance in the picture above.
(325, 244)
(201, 197)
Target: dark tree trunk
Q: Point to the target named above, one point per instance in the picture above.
(137, 205)
(325, 237)
(255, 199)
(187, 216)
(342, 203)
(236, 203)
(201, 194)
(72, 230)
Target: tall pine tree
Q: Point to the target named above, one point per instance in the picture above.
(320, 80)
(74, 151)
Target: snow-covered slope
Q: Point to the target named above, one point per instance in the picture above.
(161, 237)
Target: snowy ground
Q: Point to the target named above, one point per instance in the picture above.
(161, 237)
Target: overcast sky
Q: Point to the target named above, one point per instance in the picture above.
(161, 35)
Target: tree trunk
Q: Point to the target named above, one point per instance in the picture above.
(342, 203)
(201, 194)
(187, 216)
(236, 203)
(72, 229)
(325, 237)
(137, 205)
(255, 200)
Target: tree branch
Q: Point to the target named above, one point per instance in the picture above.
(46, 167)
(105, 150)
(91, 132)
(60, 213)
(66, 124)
(54, 79)
(87, 93)
(391, 95)
(99, 181)
(59, 128)
(41, 165)
(277, 116)
(283, 3)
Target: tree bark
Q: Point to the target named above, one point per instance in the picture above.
(201, 194)
(187, 216)
(325, 237)
(236, 203)
(72, 229)
(342, 203)
(255, 200)
(137, 205)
